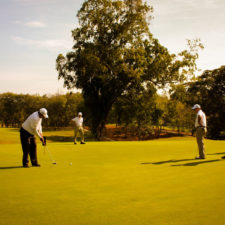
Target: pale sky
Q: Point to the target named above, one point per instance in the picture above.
(34, 32)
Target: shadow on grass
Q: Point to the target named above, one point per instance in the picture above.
(10, 129)
(60, 138)
(168, 161)
(198, 163)
(10, 167)
(219, 153)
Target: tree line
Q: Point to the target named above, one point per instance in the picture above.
(15, 108)
(143, 111)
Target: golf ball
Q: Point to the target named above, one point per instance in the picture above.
(71, 163)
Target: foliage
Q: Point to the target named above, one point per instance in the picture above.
(136, 107)
(14, 109)
(209, 92)
(114, 51)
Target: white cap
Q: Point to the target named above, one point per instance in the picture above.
(80, 114)
(44, 112)
(196, 106)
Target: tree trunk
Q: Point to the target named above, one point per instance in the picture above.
(99, 118)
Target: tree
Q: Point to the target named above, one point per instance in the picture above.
(209, 92)
(114, 51)
(137, 107)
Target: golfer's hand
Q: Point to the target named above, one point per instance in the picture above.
(43, 141)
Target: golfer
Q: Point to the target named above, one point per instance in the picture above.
(200, 126)
(30, 128)
(78, 127)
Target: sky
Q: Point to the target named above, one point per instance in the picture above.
(34, 32)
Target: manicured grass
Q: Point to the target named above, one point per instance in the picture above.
(113, 183)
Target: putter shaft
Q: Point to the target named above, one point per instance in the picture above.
(50, 155)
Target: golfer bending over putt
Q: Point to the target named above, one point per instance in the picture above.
(78, 127)
(30, 128)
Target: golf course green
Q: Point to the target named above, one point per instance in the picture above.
(155, 182)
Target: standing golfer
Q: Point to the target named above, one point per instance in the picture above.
(78, 127)
(30, 128)
(200, 126)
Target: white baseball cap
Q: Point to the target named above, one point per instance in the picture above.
(44, 112)
(196, 106)
(80, 114)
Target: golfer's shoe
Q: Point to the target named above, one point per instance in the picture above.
(75, 142)
(83, 142)
(26, 166)
(36, 164)
(223, 157)
(199, 157)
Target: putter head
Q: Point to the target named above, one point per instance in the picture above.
(54, 163)
(44, 141)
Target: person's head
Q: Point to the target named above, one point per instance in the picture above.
(196, 107)
(80, 114)
(43, 113)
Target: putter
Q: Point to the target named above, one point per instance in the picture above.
(49, 153)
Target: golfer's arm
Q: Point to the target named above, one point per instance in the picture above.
(39, 131)
(200, 120)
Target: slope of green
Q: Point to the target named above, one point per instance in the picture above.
(113, 183)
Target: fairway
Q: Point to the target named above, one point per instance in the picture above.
(154, 182)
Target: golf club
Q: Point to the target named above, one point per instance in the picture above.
(46, 150)
(49, 154)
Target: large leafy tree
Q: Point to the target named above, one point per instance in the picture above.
(114, 52)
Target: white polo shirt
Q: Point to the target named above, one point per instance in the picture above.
(202, 115)
(78, 121)
(33, 124)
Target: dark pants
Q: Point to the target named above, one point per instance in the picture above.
(29, 146)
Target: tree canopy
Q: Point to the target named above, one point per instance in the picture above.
(114, 51)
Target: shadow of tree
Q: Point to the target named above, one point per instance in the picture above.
(218, 153)
(15, 129)
(10, 167)
(168, 161)
(57, 138)
(198, 163)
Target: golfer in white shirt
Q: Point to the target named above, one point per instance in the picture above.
(200, 126)
(30, 128)
(78, 127)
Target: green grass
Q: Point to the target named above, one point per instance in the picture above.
(113, 183)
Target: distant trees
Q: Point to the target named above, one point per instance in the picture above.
(14, 109)
(142, 109)
(114, 52)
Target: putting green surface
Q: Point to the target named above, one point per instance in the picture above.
(113, 183)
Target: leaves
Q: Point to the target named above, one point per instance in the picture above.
(114, 50)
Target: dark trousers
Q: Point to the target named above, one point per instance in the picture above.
(29, 146)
